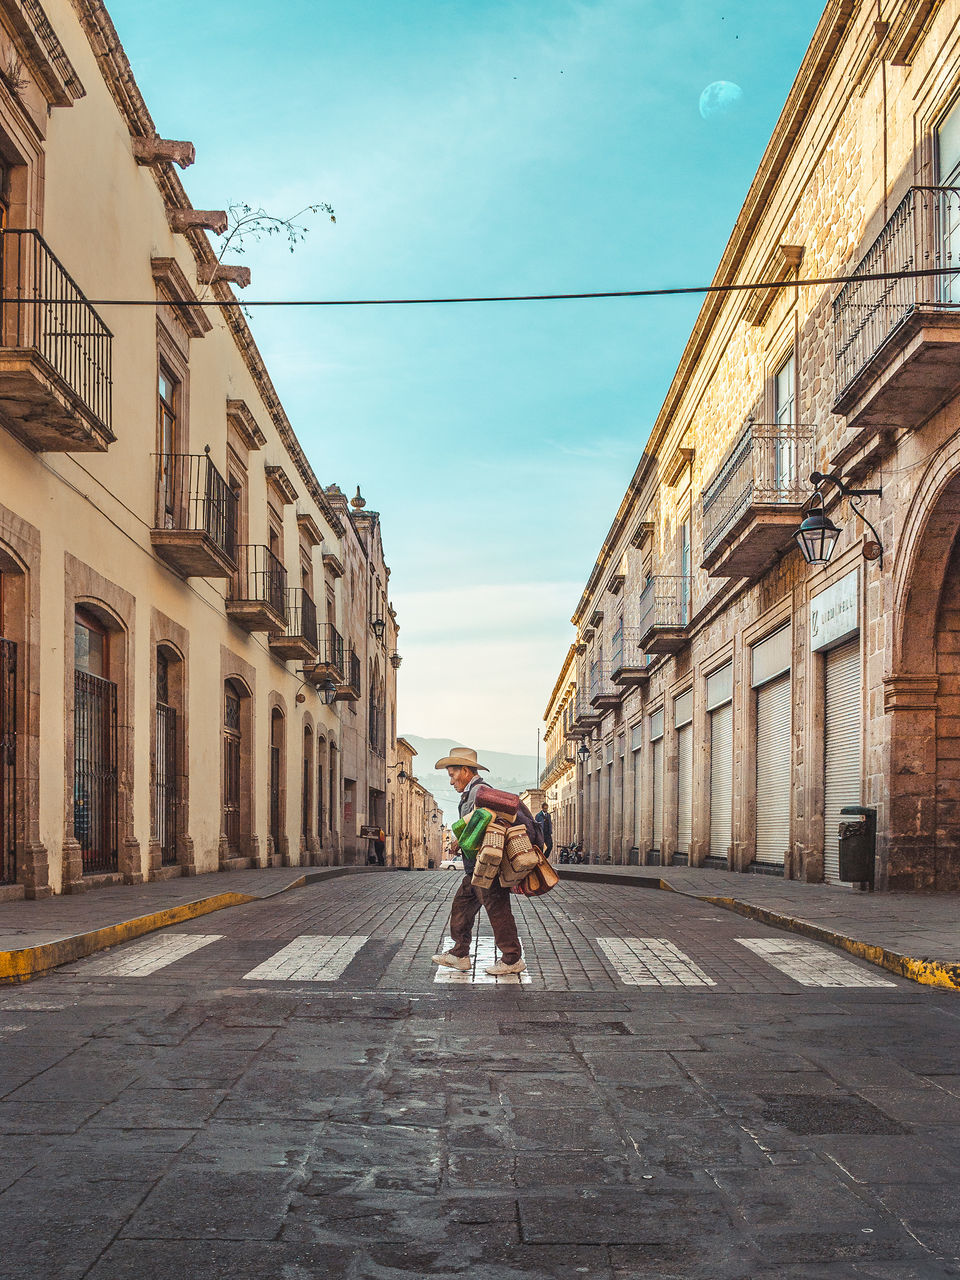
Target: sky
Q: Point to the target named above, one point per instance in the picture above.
(475, 147)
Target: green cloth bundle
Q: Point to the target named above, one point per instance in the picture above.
(469, 832)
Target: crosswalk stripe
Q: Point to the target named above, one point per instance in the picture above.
(310, 958)
(148, 956)
(812, 965)
(482, 953)
(653, 962)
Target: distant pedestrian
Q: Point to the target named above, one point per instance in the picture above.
(545, 823)
(464, 774)
(380, 848)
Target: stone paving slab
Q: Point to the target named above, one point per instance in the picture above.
(914, 935)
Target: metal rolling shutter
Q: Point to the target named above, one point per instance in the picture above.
(684, 788)
(657, 793)
(773, 770)
(842, 746)
(721, 780)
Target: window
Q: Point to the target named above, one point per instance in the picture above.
(685, 580)
(95, 748)
(168, 400)
(90, 646)
(784, 406)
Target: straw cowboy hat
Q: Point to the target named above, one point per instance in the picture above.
(460, 758)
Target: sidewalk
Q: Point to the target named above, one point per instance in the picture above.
(914, 935)
(36, 936)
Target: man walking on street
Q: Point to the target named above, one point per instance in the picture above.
(464, 774)
(545, 823)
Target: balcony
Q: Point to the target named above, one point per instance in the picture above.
(195, 517)
(55, 378)
(753, 506)
(329, 661)
(585, 715)
(629, 666)
(897, 341)
(299, 642)
(349, 690)
(557, 766)
(604, 694)
(664, 614)
(258, 591)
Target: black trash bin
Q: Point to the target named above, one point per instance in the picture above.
(858, 844)
(633, 857)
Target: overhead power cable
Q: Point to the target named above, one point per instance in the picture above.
(676, 291)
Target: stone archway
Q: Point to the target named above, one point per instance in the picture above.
(922, 693)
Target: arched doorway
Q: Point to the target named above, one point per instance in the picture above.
(167, 762)
(276, 809)
(307, 839)
(235, 840)
(922, 695)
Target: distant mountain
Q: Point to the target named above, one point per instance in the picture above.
(511, 772)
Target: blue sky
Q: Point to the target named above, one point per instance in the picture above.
(475, 146)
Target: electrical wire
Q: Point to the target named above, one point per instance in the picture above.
(675, 291)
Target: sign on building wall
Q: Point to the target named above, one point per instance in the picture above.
(835, 612)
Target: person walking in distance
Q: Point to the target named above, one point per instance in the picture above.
(545, 823)
(464, 774)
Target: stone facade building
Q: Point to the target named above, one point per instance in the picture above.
(732, 697)
(177, 687)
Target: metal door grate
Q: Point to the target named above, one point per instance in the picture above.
(8, 761)
(166, 783)
(95, 771)
(231, 791)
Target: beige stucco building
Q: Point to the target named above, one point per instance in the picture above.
(192, 672)
(419, 822)
(732, 697)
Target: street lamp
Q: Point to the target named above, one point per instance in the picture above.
(817, 535)
(379, 627)
(583, 751)
(328, 692)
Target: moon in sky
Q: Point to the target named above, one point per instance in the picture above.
(719, 98)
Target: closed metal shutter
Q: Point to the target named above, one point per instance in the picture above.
(773, 770)
(658, 793)
(684, 788)
(721, 780)
(842, 739)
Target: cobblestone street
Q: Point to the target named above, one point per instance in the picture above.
(660, 1099)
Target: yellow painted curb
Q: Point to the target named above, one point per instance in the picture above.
(30, 962)
(929, 973)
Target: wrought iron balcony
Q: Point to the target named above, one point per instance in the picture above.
(196, 517)
(585, 714)
(258, 590)
(329, 663)
(603, 692)
(664, 612)
(897, 341)
(55, 353)
(299, 641)
(349, 690)
(629, 665)
(557, 766)
(752, 507)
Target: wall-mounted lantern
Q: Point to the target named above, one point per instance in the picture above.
(379, 627)
(817, 535)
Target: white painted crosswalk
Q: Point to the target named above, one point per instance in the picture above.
(812, 965)
(482, 954)
(652, 962)
(644, 962)
(310, 959)
(153, 953)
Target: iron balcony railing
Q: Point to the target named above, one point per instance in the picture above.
(664, 602)
(583, 710)
(601, 682)
(301, 617)
(259, 576)
(556, 764)
(923, 232)
(352, 674)
(331, 649)
(769, 465)
(630, 655)
(46, 312)
(193, 496)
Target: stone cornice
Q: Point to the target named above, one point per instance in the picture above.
(176, 288)
(245, 424)
(36, 42)
(118, 76)
(279, 481)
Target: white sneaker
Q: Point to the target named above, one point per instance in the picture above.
(501, 969)
(454, 962)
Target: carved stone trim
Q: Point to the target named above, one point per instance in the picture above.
(280, 482)
(245, 424)
(309, 528)
(211, 272)
(643, 531)
(37, 43)
(214, 220)
(910, 693)
(677, 465)
(176, 288)
(153, 151)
